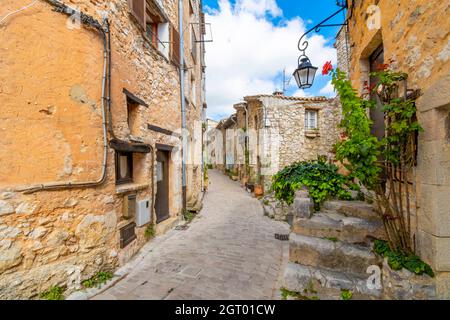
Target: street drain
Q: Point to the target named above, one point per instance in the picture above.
(282, 237)
(182, 227)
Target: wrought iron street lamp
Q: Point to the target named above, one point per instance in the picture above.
(306, 72)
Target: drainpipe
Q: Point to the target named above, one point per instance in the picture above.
(183, 105)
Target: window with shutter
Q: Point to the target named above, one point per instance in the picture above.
(137, 8)
(175, 47)
(311, 120)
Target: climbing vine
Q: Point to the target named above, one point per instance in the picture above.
(382, 166)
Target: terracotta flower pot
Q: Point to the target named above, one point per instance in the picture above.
(258, 190)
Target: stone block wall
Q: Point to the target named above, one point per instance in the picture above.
(278, 137)
(415, 35)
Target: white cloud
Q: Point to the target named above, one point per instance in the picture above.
(301, 93)
(328, 90)
(258, 7)
(249, 51)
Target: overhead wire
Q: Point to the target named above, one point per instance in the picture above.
(17, 11)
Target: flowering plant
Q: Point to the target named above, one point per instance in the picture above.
(327, 67)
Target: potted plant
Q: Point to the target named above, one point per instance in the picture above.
(258, 189)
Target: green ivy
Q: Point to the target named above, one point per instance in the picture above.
(98, 279)
(360, 151)
(150, 231)
(320, 178)
(188, 216)
(398, 259)
(346, 294)
(285, 294)
(54, 293)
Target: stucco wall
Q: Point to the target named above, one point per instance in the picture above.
(50, 88)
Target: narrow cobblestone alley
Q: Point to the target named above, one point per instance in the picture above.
(228, 252)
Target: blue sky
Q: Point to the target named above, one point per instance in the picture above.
(254, 40)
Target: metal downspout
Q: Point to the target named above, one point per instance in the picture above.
(183, 106)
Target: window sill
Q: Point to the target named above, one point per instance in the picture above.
(124, 223)
(312, 134)
(128, 187)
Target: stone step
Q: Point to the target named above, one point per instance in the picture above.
(358, 209)
(345, 228)
(323, 253)
(326, 284)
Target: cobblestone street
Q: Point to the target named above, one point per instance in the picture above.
(228, 252)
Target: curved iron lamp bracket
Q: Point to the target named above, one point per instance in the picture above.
(302, 46)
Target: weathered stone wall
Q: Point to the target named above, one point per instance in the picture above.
(278, 137)
(50, 88)
(342, 45)
(415, 34)
(194, 77)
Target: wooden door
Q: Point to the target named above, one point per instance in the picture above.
(376, 114)
(162, 185)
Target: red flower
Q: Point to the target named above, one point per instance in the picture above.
(327, 67)
(367, 88)
(382, 66)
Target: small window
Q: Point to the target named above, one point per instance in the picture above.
(311, 120)
(127, 234)
(132, 117)
(152, 33)
(124, 167)
(129, 206)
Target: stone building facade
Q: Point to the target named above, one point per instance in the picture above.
(194, 64)
(281, 130)
(209, 142)
(415, 36)
(91, 142)
(225, 144)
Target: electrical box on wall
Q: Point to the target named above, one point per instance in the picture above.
(143, 213)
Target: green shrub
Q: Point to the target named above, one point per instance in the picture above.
(333, 239)
(398, 259)
(150, 231)
(285, 293)
(54, 293)
(98, 279)
(188, 216)
(321, 178)
(346, 294)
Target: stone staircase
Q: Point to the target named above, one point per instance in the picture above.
(330, 250)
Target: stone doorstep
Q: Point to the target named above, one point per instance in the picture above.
(339, 256)
(358, 209)
(327, 284)
(348, 229)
